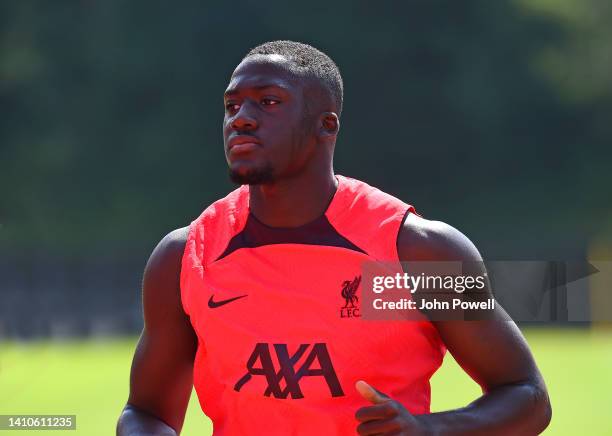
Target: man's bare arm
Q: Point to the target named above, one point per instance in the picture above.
(162, 369)
(493, 352)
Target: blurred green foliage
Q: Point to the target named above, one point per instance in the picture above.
(492, 116)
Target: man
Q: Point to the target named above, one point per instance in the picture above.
(245, 303)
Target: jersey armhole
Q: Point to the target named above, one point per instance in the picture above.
(409, 209)
(186, 268)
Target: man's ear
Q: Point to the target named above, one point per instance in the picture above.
(329, 124)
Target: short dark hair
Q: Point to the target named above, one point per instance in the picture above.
(309, 60)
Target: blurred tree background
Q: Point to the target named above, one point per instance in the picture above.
(493, 116)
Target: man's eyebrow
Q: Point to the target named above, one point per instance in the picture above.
(234, 91)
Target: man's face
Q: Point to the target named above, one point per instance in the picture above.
(266, 132)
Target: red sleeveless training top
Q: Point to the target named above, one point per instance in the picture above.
(280, 340)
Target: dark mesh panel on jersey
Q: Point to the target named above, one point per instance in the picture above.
(317, 232)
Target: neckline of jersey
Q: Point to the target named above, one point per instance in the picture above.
(333, 209)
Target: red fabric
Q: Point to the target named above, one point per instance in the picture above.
(294, 298)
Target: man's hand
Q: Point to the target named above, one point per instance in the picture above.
(386, 416)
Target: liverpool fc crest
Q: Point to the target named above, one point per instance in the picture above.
(349, 293)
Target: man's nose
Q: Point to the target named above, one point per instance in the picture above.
(244, 119)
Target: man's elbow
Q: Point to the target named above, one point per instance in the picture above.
(136, 422)
(541, 407)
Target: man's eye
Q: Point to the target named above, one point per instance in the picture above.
(269, 101)
(232, 107)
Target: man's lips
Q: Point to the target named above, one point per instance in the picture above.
(243, 144)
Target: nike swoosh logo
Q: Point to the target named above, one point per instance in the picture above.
(214, 304)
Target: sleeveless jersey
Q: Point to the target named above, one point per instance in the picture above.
(276, 311)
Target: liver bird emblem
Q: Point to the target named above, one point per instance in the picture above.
(349, 289)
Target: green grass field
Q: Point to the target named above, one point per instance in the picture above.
(90, 379)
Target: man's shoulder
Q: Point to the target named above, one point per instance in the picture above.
(420, 239)
(168, 253)
(360, 198)
(161, 281)
(174, 241)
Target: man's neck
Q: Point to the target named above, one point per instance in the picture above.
(293, 202)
